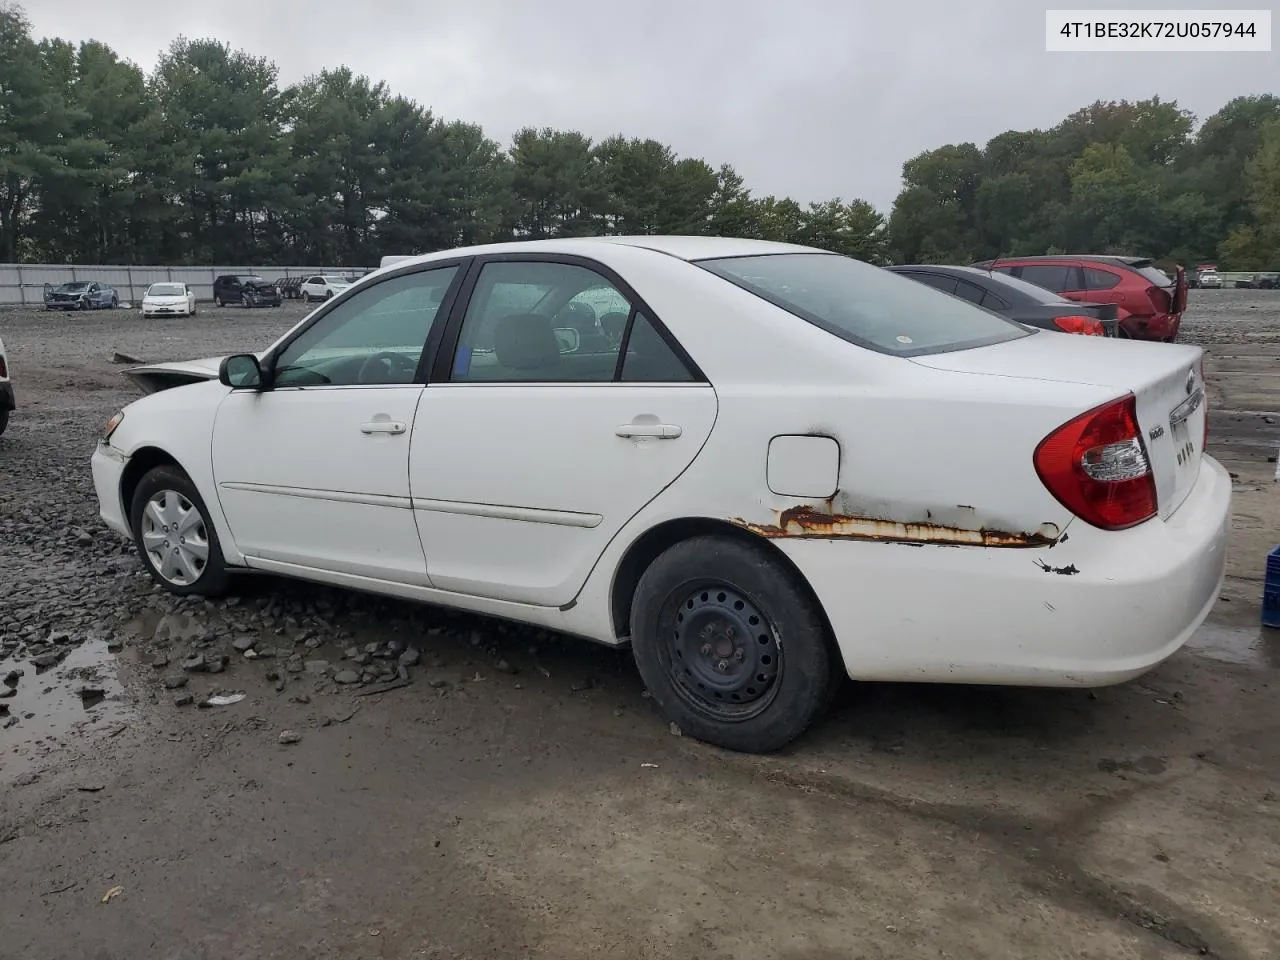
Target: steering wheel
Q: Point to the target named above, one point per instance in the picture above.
(387, 367)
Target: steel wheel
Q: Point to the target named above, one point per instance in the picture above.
(175, 537)
(724, 657)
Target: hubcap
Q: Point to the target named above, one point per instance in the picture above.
(175, 538)
(724, 655)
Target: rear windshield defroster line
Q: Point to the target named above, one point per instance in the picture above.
(865, 305)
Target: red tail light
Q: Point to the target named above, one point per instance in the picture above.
(1085, 325)
(1097, 467)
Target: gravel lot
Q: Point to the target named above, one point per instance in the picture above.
(521, 797)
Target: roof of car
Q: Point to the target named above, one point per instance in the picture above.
(1095, 257)
(681, 247)
(942, 268)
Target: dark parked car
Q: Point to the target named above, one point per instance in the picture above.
(246, 289)
(1016, 299)
(1268, 281)
(81, 295)
(1149, 303)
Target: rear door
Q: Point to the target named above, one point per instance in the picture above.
(1058, 277)
(1098, 284)
(535, 443)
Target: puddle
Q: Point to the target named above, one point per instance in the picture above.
(1247, 646)
(57, 712)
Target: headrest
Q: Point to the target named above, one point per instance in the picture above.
(526, 341)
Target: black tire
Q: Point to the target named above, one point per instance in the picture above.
(244, 301)
(115, 302)
(4, 420)
(217, 300)
(722, 611)
(329, 295)
(212, 577)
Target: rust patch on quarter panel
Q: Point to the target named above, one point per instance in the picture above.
(808, 522)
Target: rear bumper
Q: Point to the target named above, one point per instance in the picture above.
(1161, 326)
(107, 466)
(1109, 606)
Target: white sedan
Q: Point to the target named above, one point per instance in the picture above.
(788, 467)
(322, 288)
(168, 300)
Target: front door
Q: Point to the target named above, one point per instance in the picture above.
(314, 470)
(549, 430)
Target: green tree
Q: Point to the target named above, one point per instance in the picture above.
(1256, 246)
(34, 125)
(221, 110)
(558, 183)
(854, 229)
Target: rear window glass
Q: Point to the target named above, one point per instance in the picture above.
(866, 305)
(1153, 275)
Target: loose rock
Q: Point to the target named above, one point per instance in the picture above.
(289, 736)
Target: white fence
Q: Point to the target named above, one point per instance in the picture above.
(23, 283)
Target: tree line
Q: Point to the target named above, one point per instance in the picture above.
(209, 159)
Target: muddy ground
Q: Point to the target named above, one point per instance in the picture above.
(521, 797)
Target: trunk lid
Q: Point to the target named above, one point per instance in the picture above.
(1164, 379)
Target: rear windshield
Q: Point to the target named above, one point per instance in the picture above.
(866, 305)
(1152, 274)
(166, 290)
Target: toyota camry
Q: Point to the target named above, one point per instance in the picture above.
(761, 466)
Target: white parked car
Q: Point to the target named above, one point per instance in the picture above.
(322, 287)
(7, 402)
(1210, 280)
(168, 300)
(790, 466)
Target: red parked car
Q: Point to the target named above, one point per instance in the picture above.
(1149, 303)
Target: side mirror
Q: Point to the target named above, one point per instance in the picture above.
(241, 372)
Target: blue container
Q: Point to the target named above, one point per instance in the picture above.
(1271, 591)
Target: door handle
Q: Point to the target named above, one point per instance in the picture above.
(660, 431)
(395, 427)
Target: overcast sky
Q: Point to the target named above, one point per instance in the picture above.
(808, 98)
